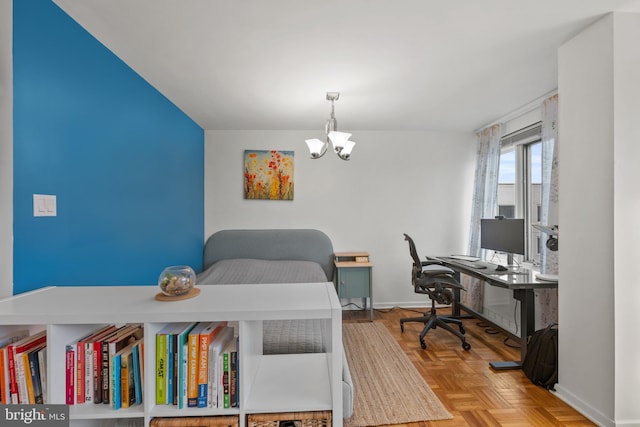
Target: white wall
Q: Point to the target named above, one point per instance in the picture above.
(419, 183)
(626, 214)
(6, 148)
(599, 106)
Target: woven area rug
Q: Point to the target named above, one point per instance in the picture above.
(388, 389)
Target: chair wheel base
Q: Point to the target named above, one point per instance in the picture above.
(466, 346)
(423, 344)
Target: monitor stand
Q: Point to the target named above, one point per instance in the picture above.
(509, 260)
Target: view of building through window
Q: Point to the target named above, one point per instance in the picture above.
(519, 189)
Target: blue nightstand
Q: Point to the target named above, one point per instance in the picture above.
(354, 277)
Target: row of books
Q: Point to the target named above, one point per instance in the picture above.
(107, 367)
(197, 365)
(23, 368)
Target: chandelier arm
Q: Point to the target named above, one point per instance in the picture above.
(324, 150)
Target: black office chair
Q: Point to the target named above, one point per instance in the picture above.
(436, 281)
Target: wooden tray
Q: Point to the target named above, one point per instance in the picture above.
(194, 292)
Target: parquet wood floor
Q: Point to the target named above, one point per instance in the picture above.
(475, 394)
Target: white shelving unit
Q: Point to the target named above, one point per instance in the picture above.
(268, 383)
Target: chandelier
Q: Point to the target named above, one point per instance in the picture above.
(342, 146)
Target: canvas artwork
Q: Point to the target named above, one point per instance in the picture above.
(268, 174)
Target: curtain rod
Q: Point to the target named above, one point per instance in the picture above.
(530, 106)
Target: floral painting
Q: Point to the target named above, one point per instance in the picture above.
(268, 174)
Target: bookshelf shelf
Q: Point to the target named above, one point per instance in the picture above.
(291, 383)
(268, 383)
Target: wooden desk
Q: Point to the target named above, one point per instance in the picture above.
(522, 281)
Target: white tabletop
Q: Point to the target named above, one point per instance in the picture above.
(100, 304)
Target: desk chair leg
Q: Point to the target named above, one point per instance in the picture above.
(422, 319)
(465, 345)
(457, 322)
(431, 320)
(431, 324)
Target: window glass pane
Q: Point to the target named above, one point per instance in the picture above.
(507, 168)
(507, 184)
(507, 211)
(536, 162)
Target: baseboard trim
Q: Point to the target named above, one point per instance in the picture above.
(584, 408)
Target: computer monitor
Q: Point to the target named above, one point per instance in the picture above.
(503, 235)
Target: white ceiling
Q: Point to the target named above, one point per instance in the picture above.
(398, 64)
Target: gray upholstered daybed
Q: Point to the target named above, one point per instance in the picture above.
(277, 256)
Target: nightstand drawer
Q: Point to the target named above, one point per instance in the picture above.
(354, 282)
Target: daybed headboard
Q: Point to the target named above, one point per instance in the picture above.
(279, 244)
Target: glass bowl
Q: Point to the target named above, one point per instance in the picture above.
(177, 280)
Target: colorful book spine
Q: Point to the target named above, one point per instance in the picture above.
(170, 364)
(4, 370)
(20, 347)
(95, 342)
(137, 377)
(193, 343)
(131, 377)
(227, 374)
(80, 360)
(88, 372)
(206, 338)
(212, 399)
(219, 343)
(104, 368)
(225, 380)
(182, 402)
(110, 346)
(5, 346)
(181, 364)
(27, 379)
(34, 367)
(13, 384)
(125, 336)
(70, 375)
(42, 361)
(116, 391)
(97, 371)
(233, 379)
(161, 374)
(127, 379)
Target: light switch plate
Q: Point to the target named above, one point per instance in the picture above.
(44, 205)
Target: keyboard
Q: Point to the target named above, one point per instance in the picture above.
(464, 258)
(476, 264)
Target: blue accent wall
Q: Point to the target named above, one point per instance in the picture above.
(125, 163)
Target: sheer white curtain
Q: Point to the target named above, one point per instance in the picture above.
(484, 204)
(549, 206)
(547, 299)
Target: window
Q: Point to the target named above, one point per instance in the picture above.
(519, 183)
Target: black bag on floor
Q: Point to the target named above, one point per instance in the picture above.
(540, 363)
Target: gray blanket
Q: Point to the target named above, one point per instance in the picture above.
(244, 271)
